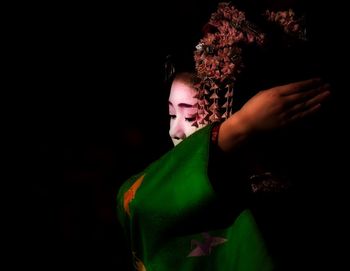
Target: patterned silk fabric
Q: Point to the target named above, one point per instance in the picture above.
(175, 221)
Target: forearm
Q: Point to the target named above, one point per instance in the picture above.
(233, 133)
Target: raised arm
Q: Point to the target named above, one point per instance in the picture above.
(272, 109)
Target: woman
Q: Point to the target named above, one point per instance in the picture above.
(182, 212)
(177, 214)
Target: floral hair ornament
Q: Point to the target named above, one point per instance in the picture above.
(218, 61)
(218, 56)
(291, 24)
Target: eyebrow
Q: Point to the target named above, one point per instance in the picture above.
(183, 105)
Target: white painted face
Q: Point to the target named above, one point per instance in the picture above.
(182, 110)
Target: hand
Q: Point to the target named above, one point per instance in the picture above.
(271, 109)
(281, 105)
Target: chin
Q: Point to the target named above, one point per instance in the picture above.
(176, 141)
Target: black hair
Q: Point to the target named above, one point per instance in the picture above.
(179, 62)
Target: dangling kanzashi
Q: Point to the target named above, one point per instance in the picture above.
(218, 60)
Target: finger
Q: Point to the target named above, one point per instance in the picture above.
(308, 98)
(300, 86)
(305, 113)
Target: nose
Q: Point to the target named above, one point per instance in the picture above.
(176, 130)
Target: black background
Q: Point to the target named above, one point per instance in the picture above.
(95, 113)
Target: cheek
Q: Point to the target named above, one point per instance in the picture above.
(190, 129)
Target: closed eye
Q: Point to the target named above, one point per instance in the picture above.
(191, 119)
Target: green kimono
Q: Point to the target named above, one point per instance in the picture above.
(172, 217)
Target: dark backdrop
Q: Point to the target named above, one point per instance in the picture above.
(98, 114)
